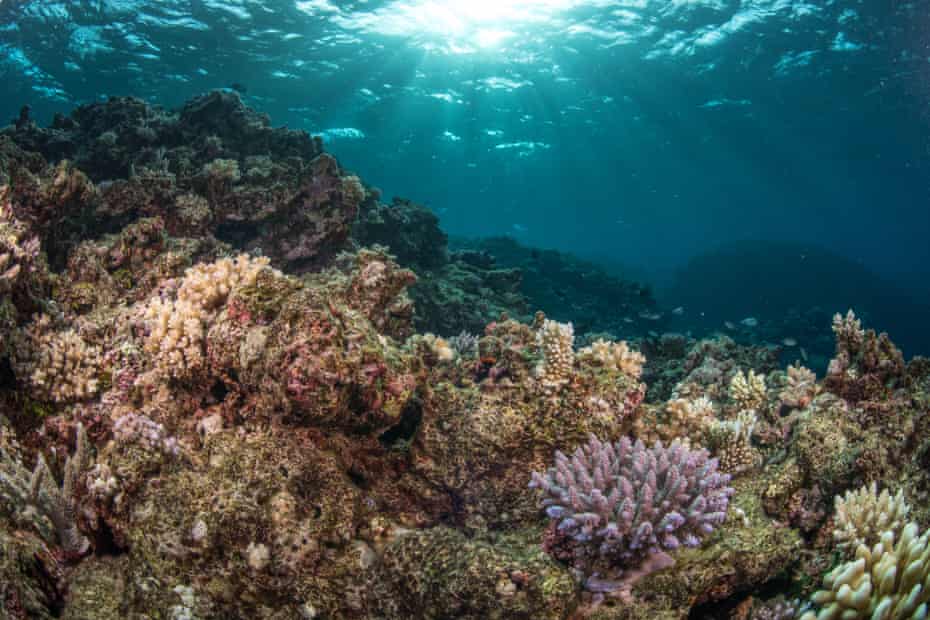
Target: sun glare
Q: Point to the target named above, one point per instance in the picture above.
(482, 23)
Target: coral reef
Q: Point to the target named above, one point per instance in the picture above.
(231, 387)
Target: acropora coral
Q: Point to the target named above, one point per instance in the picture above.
(616, 506)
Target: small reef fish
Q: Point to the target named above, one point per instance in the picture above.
(627, 319)
(803, 354)
(729, 325)
(650, 316)
(750, 322)
(678, 311)
(790, 342)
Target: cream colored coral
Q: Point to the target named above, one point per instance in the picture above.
(176, 336)
(747, 390)
(800, 387)
(739, 429)
(691, 419)
(848, 329)
(439, 347)
(556, 341)
(59, 366)
(862, 516)
(686, 420)
(208, 285)
(617, 355)
(731, 441)
(889, 581)
(176, 328)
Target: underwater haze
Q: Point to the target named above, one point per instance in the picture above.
(641, 134)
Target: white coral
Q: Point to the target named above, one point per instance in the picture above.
(207, 286)
(176, 336)
(848, 329)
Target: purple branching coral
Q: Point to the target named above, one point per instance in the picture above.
(620, 506)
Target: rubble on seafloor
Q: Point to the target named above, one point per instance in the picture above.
(218, 400)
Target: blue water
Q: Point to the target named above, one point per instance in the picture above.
(640, 133)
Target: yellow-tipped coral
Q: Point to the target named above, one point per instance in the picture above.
(747, 390)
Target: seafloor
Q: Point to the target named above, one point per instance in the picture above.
(222, 395)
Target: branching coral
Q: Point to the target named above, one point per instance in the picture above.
(207, 286)
(866, 365)
(688, 421)
(732, 443)
(617, 355)
(889, 581)
(747, 390)
(862, 516)
(848, 330)
(175, 337)
(19, 253)
(555, 340)
(800, 387)
(139, 429)
(177, 328)
(618, 504)
(465, 345)
(59, 366)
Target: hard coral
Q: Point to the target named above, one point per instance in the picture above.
(615, 354)
(615, 505)
(862, 516)
(177, 328)
(555, 340)
(867, 366)
(688, 421)
(888, 581)
(59, 366)
(800, 387)
(747, 390)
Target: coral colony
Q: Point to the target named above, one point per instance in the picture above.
(235, 384)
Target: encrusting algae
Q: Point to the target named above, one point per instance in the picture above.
(243, 418)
